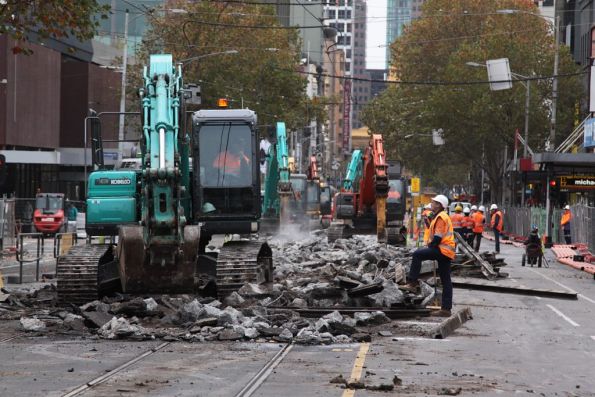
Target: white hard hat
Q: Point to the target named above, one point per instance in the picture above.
(482, 208)
(567, 207)
(428, 206)
(441, 199)
(473, 208)
(493, 207)
(466, 210)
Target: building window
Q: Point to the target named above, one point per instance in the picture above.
(348, 54)
(348, 26)
(331, 14)
(347, 66)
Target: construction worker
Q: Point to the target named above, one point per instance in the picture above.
(426, 216)
(565, 223)
(496, 223)
(471, 235)
(441, 248)
(478, 221)
(457, 220)
(467, 224)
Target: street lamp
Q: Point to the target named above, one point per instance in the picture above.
(527, 85)
(556, 25)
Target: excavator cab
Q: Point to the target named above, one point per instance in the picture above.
(226, 180)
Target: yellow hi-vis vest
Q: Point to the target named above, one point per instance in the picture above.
(447, 244)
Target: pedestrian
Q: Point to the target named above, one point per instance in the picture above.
(72, 215)
(496, 223)
(467, 224)
(441, 248)
(478, 222)
(565, 223)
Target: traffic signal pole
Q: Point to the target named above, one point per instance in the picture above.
(548, 226)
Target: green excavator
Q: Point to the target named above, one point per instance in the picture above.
(171, 210)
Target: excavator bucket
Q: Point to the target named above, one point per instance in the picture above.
(140, 274)
(381, 219)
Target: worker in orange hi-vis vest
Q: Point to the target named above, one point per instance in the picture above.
(467, 224)
(426, 216)
(496, 223)
(565, 223)
(478, 222)
(441, 248)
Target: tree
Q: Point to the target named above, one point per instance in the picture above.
(435, 48)
(21, 19)
(261, 74)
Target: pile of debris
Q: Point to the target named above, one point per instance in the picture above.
(358, 273)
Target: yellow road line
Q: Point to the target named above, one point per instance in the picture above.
(358, 367)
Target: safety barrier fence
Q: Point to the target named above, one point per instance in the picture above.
(518, 222)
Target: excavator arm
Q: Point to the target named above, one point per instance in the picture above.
(354, 171)
(168, 245)
(374, 185)
(277, 183)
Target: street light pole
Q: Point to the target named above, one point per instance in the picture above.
(552, 138)
(123, 89)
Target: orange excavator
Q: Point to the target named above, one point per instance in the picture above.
(360, 208)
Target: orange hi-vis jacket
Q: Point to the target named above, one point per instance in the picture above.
(426, 222)
(468, 222)
(478, 220)
(442, 226)
(500, 224)
(566, 217)
(457, 220)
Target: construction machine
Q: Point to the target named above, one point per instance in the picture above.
(278, 190)
(49, 215)
(313, 191)
(360, 207)
(167, 216)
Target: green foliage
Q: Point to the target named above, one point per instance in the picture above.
(49, 18)
(437, 47)
(260, 75)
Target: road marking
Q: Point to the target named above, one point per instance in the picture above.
(564, 316)
(417, 339)
(538, 297)
(358, 367)
(565, 287)
(593, 337)
(341, 350)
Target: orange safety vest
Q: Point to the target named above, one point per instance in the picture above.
(228, 162)
(447, 244)
(478, 220)
(566, 217)
(457, 220)
(500, 222)
(468, 222)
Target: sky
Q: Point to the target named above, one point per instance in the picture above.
(376, 34)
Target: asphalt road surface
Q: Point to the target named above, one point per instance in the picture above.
(514, 344)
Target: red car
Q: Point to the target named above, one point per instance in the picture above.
(49, 214)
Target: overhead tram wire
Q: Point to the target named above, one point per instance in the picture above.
(437, 82)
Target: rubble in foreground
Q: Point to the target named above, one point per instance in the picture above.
(310, 273)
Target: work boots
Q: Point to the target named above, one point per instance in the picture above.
(412, 287)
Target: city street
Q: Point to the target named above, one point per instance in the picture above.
(513, 345)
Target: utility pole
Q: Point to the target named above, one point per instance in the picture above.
(552, 137)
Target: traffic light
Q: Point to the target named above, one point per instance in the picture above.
(553, 183)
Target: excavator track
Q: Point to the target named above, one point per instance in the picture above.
(241, 262)
(77, 274)
(394, 237)
(335, 232)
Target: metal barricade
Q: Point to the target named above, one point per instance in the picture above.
(582, 225)
(21, 254)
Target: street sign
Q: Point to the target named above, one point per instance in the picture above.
(577, 182)
(414, 185)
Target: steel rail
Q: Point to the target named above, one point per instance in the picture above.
(264, 373)
(103, 378)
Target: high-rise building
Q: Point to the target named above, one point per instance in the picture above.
(360, 88)
(340, 16)
(398, 16)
